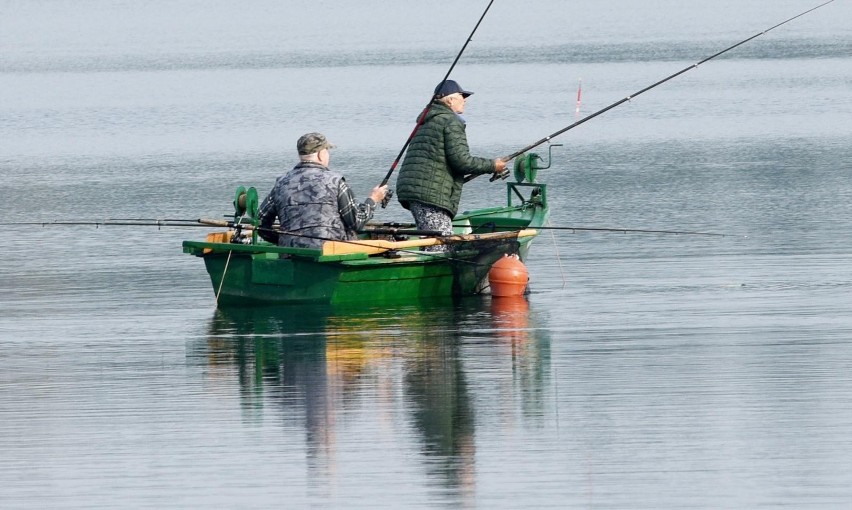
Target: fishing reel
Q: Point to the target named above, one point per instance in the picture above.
(527, 166)
(501, 176)
(386, 200)
(246, 204)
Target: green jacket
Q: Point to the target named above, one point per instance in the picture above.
(437, 161)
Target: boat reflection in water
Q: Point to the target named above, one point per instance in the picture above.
(412, 361)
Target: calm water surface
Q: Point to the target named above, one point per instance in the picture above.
(643, 371)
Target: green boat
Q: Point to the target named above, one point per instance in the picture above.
(385, 264)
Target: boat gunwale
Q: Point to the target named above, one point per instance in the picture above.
(204, 248)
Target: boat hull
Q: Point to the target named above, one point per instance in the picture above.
(251, 279)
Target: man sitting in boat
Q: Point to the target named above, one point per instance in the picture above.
(438, 159)
(312, 203)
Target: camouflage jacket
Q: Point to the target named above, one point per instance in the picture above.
(437, 161)
(314, 204)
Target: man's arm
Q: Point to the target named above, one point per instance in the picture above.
(354, 215)
(459, 159)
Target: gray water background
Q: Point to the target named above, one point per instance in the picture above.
(643, 371)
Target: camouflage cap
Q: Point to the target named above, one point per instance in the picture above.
(311, 143)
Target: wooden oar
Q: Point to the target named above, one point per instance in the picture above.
(376, 246)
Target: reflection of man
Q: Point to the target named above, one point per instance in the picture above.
(314, 203)
(442, 411)
(288, 350)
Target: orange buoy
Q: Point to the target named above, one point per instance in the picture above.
(508, 277)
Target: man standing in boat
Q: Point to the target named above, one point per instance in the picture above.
(312, 203)
(438, 160)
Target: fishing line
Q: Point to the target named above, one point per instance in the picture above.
(558, 258)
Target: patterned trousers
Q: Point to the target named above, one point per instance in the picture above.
(428, 217)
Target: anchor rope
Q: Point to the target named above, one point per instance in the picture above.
(227, 262)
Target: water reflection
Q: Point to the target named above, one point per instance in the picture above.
(316, 364)
(438, 398)
(530, 351)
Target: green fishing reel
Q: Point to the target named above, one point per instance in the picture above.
(528, 165)
(246, 204)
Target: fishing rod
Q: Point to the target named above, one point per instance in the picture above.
(391, 229)
(622, 230)
(422, 118)
(132, 222)
(589, 117)
(388, 229)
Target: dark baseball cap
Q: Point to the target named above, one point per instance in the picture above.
(447, 87)
(311, 143)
